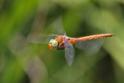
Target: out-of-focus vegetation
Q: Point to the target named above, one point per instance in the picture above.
(22, 21)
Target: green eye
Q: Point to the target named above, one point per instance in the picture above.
(53, 42)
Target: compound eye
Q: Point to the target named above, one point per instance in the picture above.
(53, 43)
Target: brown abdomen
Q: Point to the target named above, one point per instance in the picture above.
(93, 37)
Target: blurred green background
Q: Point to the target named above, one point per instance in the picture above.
(24, 21)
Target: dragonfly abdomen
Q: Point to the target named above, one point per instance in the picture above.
(93, 37)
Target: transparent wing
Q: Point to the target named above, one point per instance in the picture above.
(58, 26)
(90, 47)
(40, 39)
(69, 52)
(54, 29)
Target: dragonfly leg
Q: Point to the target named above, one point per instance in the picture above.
(61, 46)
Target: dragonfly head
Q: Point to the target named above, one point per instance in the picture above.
(52, 44)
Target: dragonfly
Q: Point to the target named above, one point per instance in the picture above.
(63, 42)
(66, 43)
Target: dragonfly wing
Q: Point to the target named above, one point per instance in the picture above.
(69, 53)
(90, 47)
(55, 28)
(40, 39)
(58, 26)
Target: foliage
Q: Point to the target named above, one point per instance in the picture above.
(24, 21)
